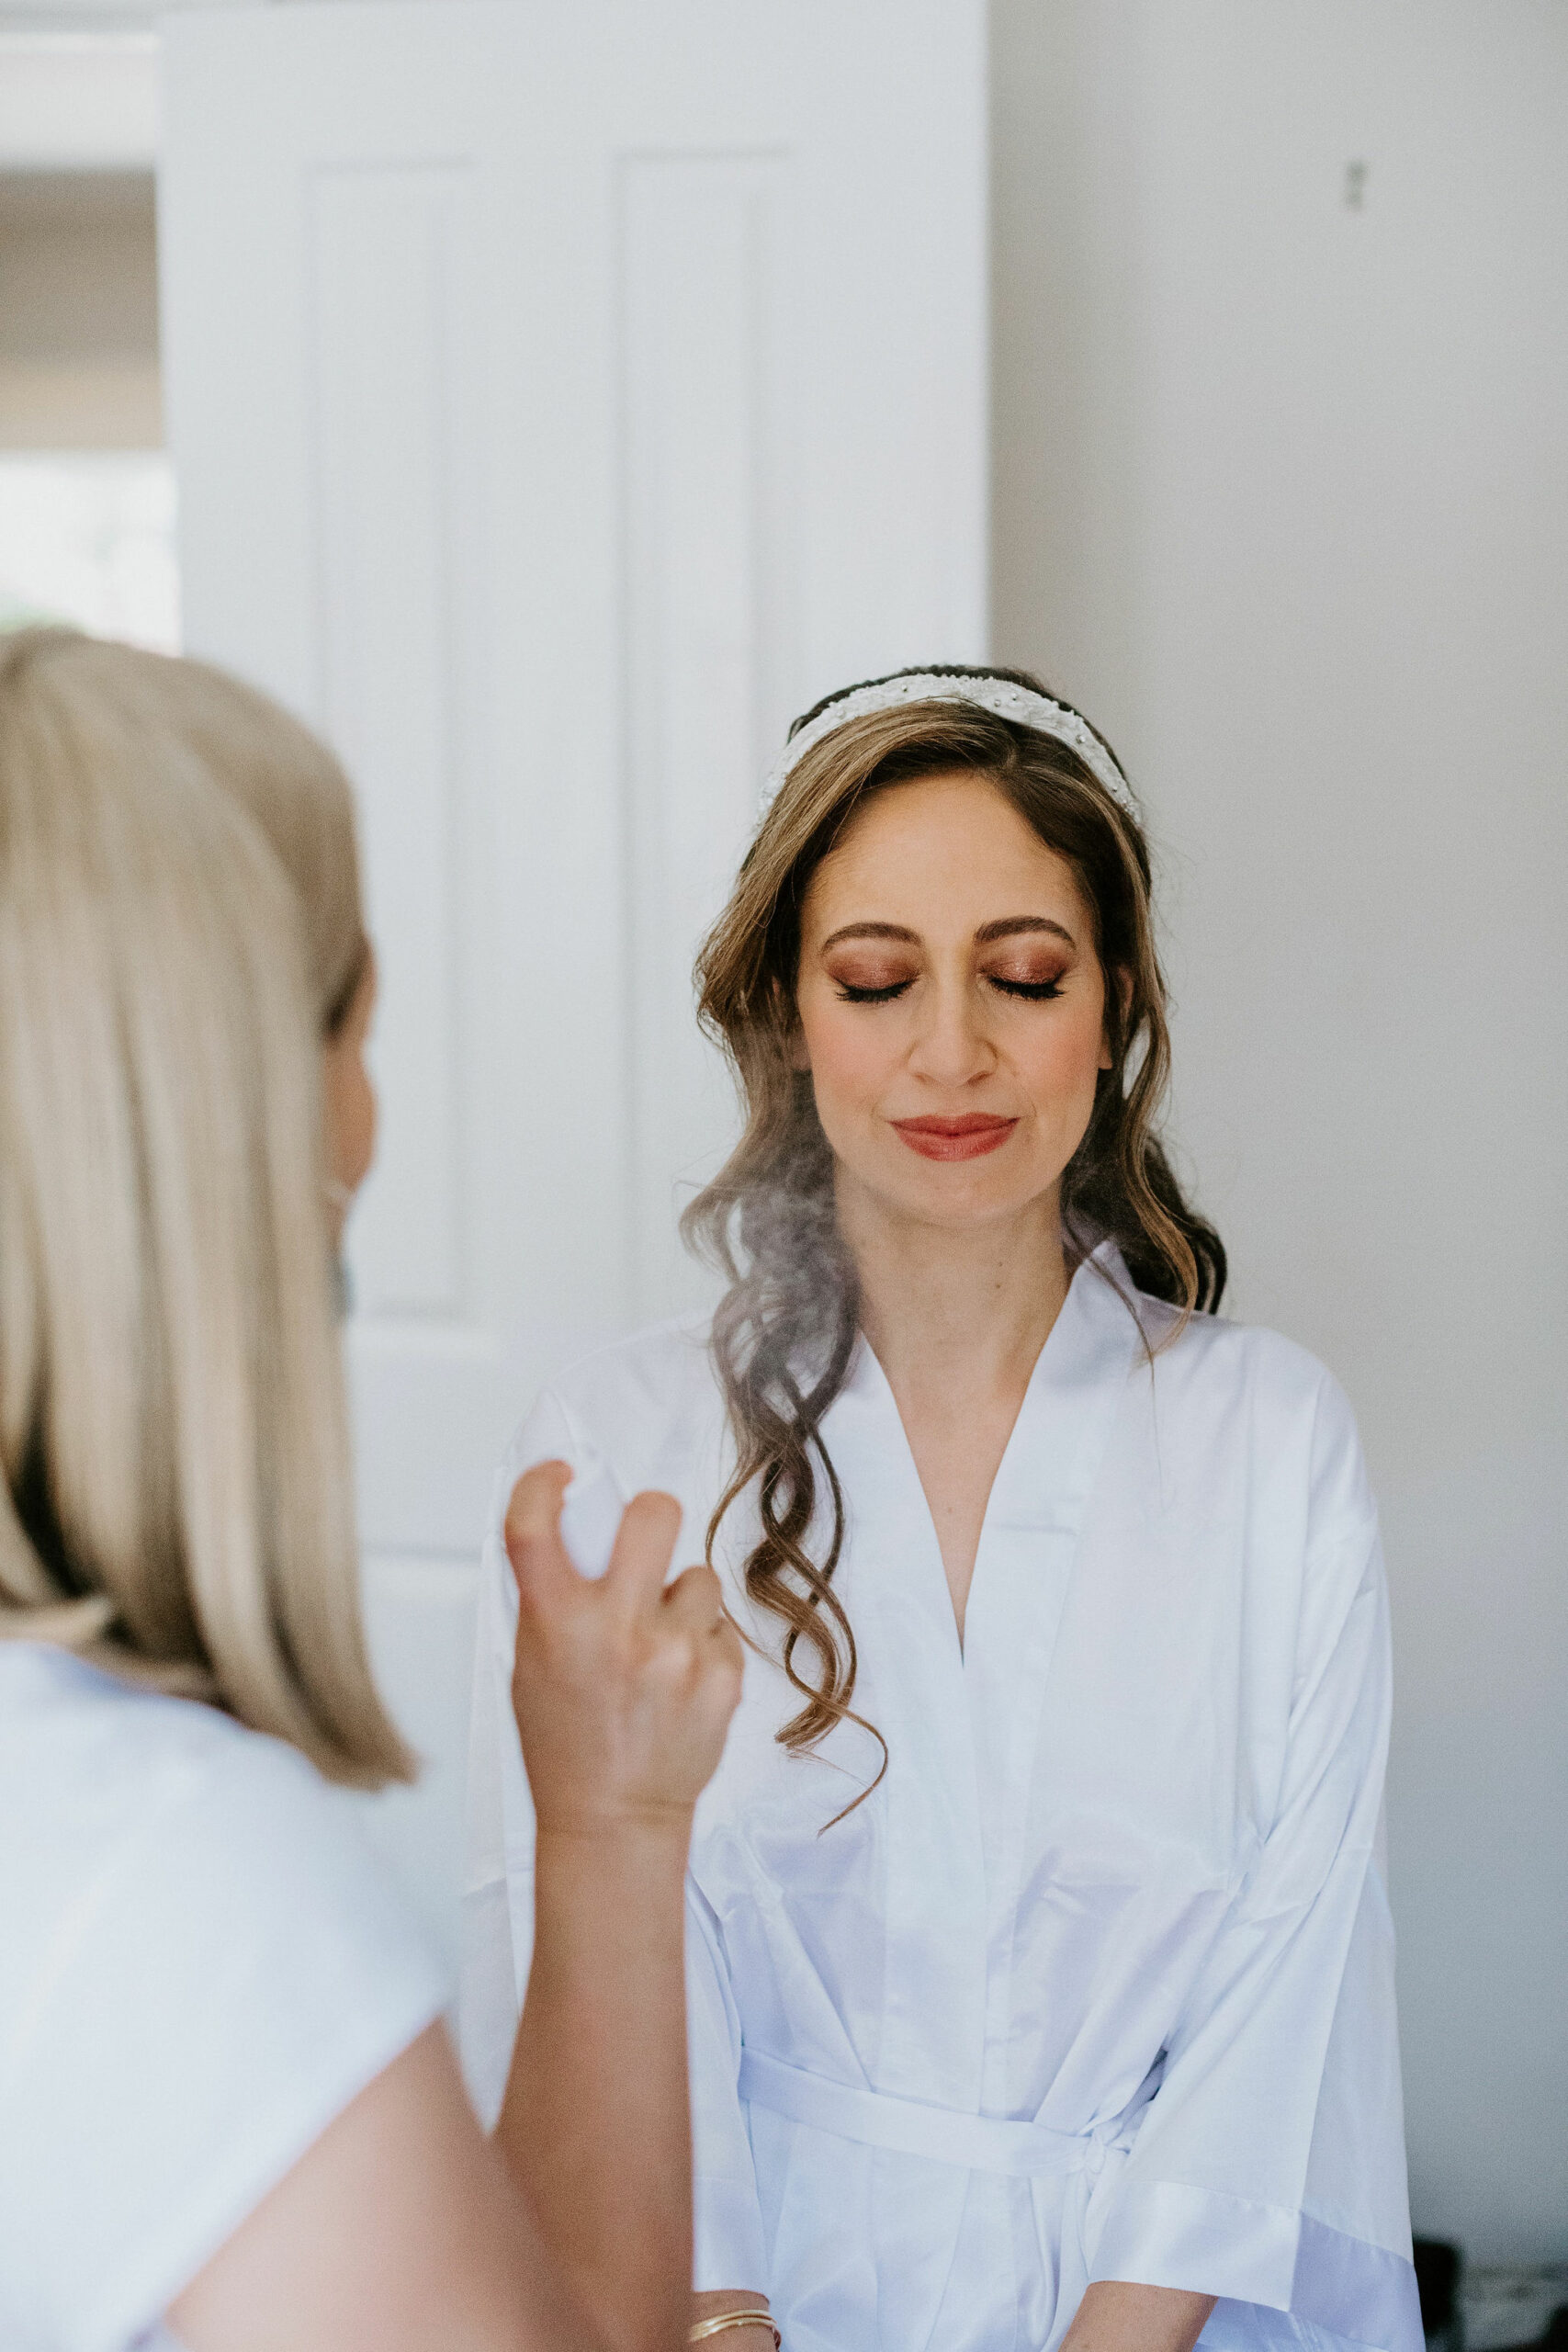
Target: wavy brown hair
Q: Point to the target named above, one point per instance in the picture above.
(784, 1333)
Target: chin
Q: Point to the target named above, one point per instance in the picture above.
(955, 1198)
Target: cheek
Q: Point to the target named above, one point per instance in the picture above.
(1061, 1063)
(849, 1055)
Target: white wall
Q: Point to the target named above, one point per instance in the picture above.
(1281, 495)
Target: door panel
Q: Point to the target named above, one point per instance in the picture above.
(560, 399)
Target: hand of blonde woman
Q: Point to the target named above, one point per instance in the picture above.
(623, 1687)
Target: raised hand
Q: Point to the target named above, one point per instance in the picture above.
(623, 1687)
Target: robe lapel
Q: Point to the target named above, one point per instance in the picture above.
(932, 2039)
(961, 1730)
(1027, 1548)
(933, 2019)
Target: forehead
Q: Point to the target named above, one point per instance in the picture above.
(943, 853)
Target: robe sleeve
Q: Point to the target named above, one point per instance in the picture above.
(729, 2251)
(1269, 2170)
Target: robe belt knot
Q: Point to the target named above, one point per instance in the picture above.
(942, 2134)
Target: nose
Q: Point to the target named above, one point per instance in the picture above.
(951, 1047)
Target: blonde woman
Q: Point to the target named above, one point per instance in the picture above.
(229, 2114)
(1040, 1963)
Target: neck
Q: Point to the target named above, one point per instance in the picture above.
(940, 1306)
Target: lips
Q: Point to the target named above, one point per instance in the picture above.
(969, 1138)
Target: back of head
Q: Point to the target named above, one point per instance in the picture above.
(178, 923)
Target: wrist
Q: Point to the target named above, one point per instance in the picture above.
(653, 1834)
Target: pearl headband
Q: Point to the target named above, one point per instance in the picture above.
(999, 695)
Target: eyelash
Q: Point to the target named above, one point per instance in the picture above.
(1035, 991)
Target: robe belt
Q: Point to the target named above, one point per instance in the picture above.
(942, 2134)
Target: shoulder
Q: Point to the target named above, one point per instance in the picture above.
(209, 1965)
(100, 1755)
(641, 1404)
(1208, 1362)
(1212, 1350)
(663, 1368)
(645, 1412)
(185, 1823)
(101, 1762)
(1269, 1399)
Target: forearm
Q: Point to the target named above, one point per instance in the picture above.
(1115, 2316)
(595, 2125)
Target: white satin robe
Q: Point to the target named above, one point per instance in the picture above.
(1097, 1983)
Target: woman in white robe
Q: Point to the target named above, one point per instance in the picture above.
(1058, 1956)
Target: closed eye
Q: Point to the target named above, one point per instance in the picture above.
(851, 995)
(1037, 991)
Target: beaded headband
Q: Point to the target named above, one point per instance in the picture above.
(999, 695)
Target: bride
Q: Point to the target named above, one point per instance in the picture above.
(1041, 1974)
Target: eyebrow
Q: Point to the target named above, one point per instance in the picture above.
(1010, 925)
(1007, 927)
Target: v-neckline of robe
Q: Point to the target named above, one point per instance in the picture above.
(1081, 1321)
(961, 1727)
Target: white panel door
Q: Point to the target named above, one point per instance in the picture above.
(561, 397)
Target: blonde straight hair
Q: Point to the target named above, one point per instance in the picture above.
(180, 929)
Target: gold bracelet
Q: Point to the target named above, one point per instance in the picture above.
(706, 2327)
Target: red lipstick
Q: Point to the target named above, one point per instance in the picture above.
(966, 1138)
